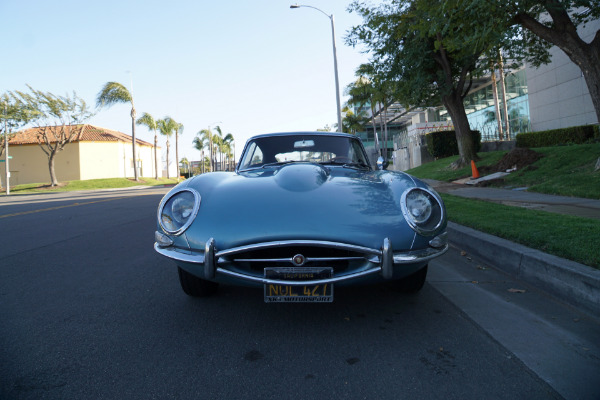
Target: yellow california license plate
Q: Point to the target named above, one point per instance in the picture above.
(298, 293)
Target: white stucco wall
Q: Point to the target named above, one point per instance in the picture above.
(78, 161)
(29, 164)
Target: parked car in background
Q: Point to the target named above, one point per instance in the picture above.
(302, 213)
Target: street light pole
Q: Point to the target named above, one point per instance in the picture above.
(6, 157)
(335, 64)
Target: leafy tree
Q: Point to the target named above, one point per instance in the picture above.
(113, 93)
(14, 114)
(58, 120)
(147, 120)
(429, 51)
(560, 29)
(556, 22)
(167, 126)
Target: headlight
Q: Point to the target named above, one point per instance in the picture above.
(423, 210)
(177, 212)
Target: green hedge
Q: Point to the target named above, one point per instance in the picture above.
(555, 137)
(441, 144)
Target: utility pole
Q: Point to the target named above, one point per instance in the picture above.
(6, 157)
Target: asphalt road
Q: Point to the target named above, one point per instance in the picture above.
(89, 311)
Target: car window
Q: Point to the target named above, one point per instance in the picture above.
(253, 157)
(322, 149)
(310, 156)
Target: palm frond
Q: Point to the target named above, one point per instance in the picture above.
(113, 93)
(166, 126)
(147, 120)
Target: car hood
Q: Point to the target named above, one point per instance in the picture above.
(301, 201)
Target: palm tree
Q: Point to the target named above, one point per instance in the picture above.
(147, 120)
(178, 130)
(362, 92)
(352, 123)
(370, 88)
(218, 140)
(202, 140)
(113, 93)
(167, 126)
(185, 165)
(228, 141)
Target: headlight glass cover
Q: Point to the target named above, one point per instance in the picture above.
(423, 210)
(177, 212)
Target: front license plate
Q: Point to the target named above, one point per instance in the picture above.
(298, 294)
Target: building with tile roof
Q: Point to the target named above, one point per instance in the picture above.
(95, 153)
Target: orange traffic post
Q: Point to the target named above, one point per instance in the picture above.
(474, 171)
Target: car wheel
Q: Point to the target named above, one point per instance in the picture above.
(194, 286)
(412, 283)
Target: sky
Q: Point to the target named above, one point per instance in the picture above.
(251, 67)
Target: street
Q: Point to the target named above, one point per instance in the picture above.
(89, 310)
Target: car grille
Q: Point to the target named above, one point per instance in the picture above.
(340, 257)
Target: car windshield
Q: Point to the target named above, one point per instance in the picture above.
(328, 150)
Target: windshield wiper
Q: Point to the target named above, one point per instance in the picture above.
(278, 163)
(344, 164)
(356, 165)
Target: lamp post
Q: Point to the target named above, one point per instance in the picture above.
(6, 156)
(335, 66)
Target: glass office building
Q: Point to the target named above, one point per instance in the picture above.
(482, 114)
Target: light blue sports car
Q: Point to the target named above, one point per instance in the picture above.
(303, 212)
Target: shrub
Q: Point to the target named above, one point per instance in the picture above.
(563, 136)
(441, 144)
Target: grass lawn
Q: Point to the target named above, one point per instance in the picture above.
(91, 184)
(563, 170)
(573, 238)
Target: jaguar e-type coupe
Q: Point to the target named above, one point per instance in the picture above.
(301, 213)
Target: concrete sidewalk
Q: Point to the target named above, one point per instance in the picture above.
(587, 208)
(571, 282)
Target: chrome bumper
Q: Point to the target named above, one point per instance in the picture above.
(383, 259)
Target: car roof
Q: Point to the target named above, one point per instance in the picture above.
(319, 133)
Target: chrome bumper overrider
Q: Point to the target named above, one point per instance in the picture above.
(383, 259)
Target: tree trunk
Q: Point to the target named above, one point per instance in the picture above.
(466, 148)
(155, 156)
(135, 171)
(210, 148)
(497, 104)
(504, 99)
(167, 157)
(53, 180)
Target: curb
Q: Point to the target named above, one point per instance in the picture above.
(571, 282)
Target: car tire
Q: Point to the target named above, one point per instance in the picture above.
(412, 283)
(194, 286)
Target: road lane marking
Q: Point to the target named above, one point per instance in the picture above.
(70, 205)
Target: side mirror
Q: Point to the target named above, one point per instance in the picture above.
(381, 163)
